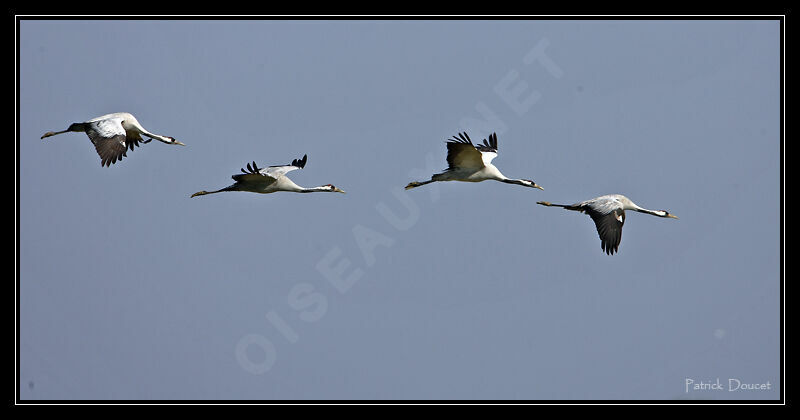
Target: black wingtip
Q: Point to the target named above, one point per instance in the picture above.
(250, 169)
(462, 137)
(300, 163)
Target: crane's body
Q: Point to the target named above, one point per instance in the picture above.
(269, 180)
(608, 214)
(113, 135)
(487, 172)
(470, 163)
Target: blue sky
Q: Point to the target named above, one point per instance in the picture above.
(129, 289)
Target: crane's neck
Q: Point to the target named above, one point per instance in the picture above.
(134, 125)
(523, 182)
(322, 188)
(659, 213)
(159, 137)
(494, 173)
(513, 181)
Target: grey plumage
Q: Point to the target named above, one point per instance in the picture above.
(608, 214)
(467, 162)
(113, 135)
(269, 180)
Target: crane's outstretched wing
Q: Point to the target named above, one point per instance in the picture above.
(490, 146)
(278, 170)
(609, 227)
(461, 153)
(488, 149)
(254, 174)
(608, 213)
(109, 139)
(270, 174)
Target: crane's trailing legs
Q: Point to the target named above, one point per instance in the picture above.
(75, 127)
(568, 207)
(416, 184)
(231, 188)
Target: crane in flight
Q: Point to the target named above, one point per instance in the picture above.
(269, 180)
(472, 163)
(608, 213)
(113, 135)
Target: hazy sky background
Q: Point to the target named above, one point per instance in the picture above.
(130, 289)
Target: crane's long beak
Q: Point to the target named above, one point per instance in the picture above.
(538, 186)
(672, 216)
(338, 190)
(178, 143)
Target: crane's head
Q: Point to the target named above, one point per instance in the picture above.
(530, 183)
(171, 140)
(331, 188)
(667, 214)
